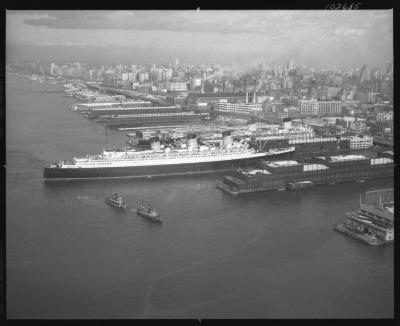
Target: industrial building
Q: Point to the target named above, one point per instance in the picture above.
(320, 108)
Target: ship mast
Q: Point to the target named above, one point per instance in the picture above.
(108, 143)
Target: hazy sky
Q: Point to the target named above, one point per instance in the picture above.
(331, 38)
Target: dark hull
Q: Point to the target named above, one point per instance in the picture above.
(150, 217)
(115, 204)
(147, 171)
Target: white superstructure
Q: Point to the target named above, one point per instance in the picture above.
(132, 158)
(276, 151)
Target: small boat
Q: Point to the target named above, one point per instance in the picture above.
(116, 201)
(299, 185)
(148, 212)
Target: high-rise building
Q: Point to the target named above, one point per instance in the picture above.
(52, 68)
(250, 97)
(371, 97)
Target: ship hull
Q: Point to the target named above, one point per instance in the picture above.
(147, 171)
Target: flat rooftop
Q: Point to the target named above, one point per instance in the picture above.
(220, 95)
(255, 171)
(339, 158)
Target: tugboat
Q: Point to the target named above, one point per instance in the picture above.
(116, 201)
(299, 185)
(148, 212)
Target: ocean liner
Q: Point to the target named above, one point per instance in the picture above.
(159, 160)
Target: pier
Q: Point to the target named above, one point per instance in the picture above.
(373, 223)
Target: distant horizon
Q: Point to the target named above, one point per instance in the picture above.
(41, 54)
(314, 38)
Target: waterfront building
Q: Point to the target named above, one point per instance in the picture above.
(373, 223)
(247, 108)
(163, 118)
(105, 106)
(210, 99)
(328, 168)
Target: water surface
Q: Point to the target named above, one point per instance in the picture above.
(264, 255)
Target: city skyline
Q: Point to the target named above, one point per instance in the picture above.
(318, 38)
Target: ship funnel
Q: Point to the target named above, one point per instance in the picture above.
(287, 123)
(192, 142)
(155, 143)
(226, 139)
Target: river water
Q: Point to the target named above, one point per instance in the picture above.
(265, 255)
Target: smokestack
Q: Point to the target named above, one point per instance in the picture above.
(226, 139)
(287, 123)
(223, 86)
(192, 142)
(155, 143)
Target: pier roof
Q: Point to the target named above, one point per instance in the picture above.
(339, 158)
(276, 164)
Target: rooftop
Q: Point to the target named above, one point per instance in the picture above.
(220, 95)
(276, 164)
(339, 158)
(110, 103)
(255, 171)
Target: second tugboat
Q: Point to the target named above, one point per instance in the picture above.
(116, 201)
(148, 212)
